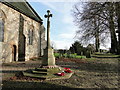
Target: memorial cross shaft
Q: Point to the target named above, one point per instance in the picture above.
(48, 57)
(48, 28)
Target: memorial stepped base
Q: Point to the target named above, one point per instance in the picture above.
(46, 73)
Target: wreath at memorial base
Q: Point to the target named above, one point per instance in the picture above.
(67, 70)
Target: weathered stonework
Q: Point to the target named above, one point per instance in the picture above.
(10, 48)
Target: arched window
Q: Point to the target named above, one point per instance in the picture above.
(2, 23)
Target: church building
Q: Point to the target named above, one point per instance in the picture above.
(22, 33)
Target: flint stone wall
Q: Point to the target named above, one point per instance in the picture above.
(11, 35)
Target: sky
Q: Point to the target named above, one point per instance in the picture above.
(62, 27)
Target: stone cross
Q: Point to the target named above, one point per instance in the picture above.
(48, 57)
(48, 27)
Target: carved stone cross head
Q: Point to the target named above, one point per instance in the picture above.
(48, 15)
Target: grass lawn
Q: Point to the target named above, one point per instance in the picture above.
(109, 55)
(58, 55)
(88, 73)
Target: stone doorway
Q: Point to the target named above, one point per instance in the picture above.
(14, 49)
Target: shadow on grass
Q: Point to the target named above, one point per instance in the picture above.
(100, 67)
(21, 65)
(11, 71)
(31, 85)
(93, 67)
(105, 57)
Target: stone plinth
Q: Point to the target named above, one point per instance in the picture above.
(48, 58)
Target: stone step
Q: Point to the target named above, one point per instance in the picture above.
(41, 69)
(39, 72)
(34, 75)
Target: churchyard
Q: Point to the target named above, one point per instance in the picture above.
(79, 67)
(101, 72)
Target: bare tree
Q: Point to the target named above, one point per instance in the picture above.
(117, 7)
(95, 19)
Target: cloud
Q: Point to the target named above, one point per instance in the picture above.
(49, 4)
(62, 44)
(68, 19)
(66, 35)
(50, 0)
(64, 40)
(64, 8)
(70, 29)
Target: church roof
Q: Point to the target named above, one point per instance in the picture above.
(23, 7)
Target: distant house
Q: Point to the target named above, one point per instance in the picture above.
(22, 34)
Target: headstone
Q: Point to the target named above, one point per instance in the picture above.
(88, 54)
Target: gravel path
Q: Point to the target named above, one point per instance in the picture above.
(98, 73)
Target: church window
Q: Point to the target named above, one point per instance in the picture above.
(2, 25)
(30, 37)
(1, 30)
